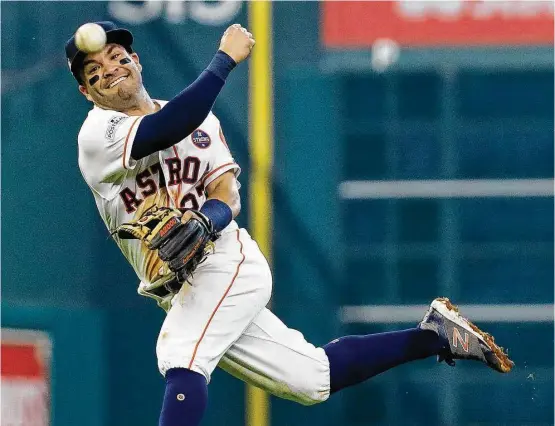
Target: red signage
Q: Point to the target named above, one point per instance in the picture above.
(25, 385)
(350, 24)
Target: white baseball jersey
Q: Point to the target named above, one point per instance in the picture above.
(124, 188)
(219, 317)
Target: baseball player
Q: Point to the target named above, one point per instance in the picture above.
(165, 184)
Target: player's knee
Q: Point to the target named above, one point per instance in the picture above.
(182, 383)
(185, 398)
(312, 395)
(309, 388)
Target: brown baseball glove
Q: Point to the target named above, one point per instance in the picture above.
(181, 245)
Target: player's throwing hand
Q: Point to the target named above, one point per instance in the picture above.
(237, 42)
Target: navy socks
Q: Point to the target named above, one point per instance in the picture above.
(185, 398)
(353, 359)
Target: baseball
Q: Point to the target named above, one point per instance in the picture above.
(90, 38)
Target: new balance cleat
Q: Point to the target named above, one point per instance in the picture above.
(463, 340)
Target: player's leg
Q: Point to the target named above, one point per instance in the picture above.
(278, 359)
(354, 359)
(443, 332)
(185, 398)
(228, 290)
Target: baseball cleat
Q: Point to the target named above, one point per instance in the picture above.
(463, 340)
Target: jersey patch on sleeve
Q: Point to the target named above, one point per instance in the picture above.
(113, 124)
(200, 139)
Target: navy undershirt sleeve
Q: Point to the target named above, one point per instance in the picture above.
(185, 112)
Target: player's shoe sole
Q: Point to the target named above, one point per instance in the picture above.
(464, 340)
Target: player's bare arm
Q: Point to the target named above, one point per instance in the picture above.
(225, 189)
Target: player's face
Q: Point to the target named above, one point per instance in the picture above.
(112, 78)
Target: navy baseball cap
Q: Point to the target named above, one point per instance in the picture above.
(114, 34)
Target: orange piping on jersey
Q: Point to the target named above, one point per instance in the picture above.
(127, 140)
(214, 171)
(220, 302)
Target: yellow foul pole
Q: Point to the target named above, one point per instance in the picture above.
(261, 155)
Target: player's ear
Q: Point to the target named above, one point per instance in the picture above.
(85, 92)
(135, 58)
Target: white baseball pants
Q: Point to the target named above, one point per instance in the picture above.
(222, 319)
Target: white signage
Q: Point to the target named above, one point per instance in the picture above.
(212, 13)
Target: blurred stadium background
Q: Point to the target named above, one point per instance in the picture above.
(413, 157)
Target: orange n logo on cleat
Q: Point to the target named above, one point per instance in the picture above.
(457, 336)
